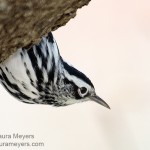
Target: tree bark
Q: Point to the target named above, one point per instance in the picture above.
(24, 22)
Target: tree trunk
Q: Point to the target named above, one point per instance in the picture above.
(24, 22)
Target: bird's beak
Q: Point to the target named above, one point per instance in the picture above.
(99, 101)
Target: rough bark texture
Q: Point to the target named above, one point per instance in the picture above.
(23, 22)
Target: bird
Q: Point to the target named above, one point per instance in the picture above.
(39, 75)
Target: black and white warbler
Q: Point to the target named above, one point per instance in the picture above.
(39, 75)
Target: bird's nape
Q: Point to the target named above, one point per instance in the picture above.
(98, 100)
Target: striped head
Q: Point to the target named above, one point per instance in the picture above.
(79, 86)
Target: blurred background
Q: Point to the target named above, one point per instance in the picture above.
(110, 42)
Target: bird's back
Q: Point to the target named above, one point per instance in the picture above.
(30, 75)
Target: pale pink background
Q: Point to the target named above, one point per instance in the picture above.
(110, 42)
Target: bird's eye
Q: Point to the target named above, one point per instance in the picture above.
(82, 91)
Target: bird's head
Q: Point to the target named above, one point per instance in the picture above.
(79, 87)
